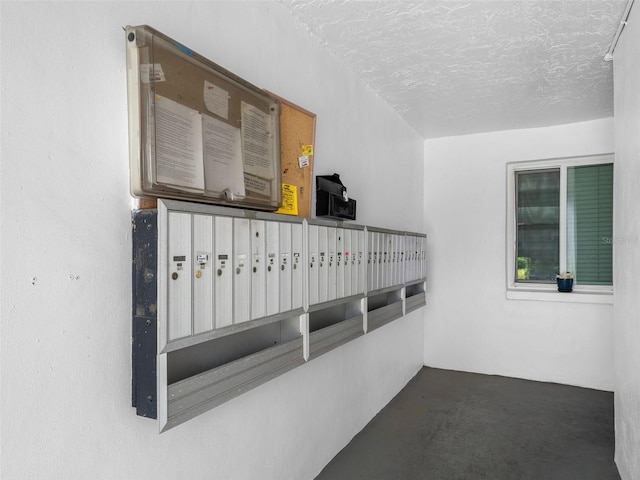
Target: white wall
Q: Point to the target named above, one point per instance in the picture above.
(627, 248)
(65, 239)
(469, 323)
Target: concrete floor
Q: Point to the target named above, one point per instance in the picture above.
(447, 425)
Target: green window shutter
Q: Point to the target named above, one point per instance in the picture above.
(590, 224)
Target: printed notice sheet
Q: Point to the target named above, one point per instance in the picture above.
(257, 142)
(178, 145)
(289, 200)
(222, 157)
(257, 185)
(216, 100)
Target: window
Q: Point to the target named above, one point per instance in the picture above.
(561, 220)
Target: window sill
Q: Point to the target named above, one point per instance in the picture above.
(551, 294)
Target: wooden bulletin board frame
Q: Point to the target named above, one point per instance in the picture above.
(297, 138)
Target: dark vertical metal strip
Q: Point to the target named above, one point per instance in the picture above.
(144, 298)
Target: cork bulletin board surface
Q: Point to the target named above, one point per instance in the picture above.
(297, 140)
(297, 131)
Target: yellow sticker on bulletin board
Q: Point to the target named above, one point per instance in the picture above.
(307, 149)
(289, 200)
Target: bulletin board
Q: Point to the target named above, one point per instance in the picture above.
(297, 142)
(197, 131)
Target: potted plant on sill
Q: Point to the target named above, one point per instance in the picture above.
(565, 282)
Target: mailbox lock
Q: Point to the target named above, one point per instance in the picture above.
(219, 271)
(174, 275)
(255, 269)
(198, 274)
(238, 270)
(269, 268)
(282, 267)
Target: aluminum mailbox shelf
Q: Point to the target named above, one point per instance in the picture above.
(415, 296)
(192, 396)
(384, 306)
(335, 323)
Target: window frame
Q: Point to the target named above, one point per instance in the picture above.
(532, 290)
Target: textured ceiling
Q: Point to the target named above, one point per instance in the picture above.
(453, 67)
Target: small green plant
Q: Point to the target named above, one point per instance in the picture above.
(524, 268)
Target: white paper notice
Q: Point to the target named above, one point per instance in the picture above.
(257, 185)
(222, 157)
(151, 73)
(303, 161)
(178, 145)
(216, 100)
(257, 141)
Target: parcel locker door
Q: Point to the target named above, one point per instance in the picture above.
(356, 261)
(340, 276)
(413, 254)
(394, 260)
(332, 257)
(377, 261)
(323, 265)
(202, 261)
(286, 266)
(377, 264)
(258, 270)
(408, 247)
(406, 258)
(423, 259)
(241, 270)
(370, 249)
(314, 265)
(359, 274)
(180, 272)
(418, 263)
(381, 259)
(273, 267)
(384, 264)
(399, 258)
(223, 283)
(391, 259)
(386, 257)
(348, 287)
(297, 270)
